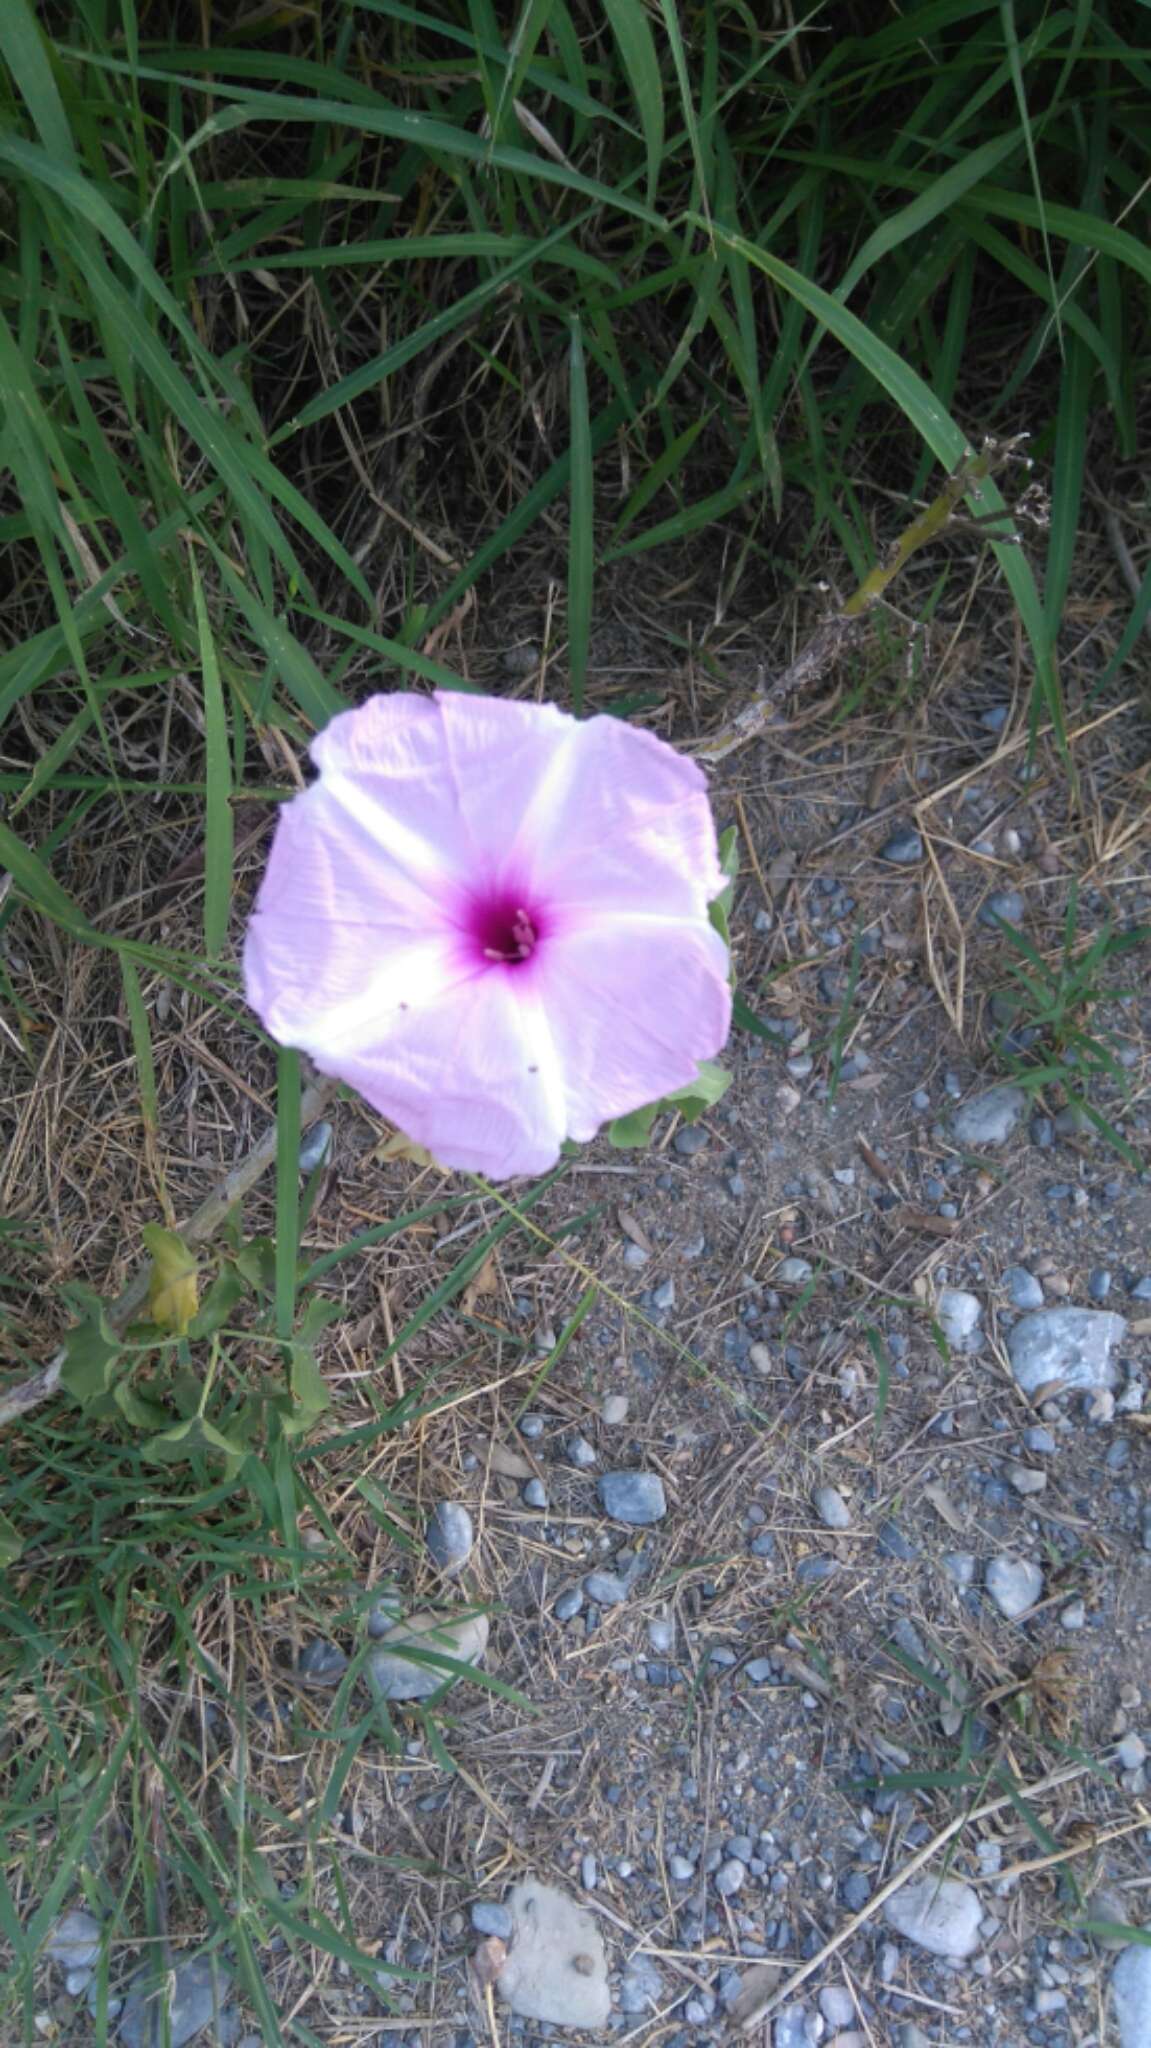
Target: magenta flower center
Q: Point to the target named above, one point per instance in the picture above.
(503, 929)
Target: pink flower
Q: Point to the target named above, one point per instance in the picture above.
(491, 919)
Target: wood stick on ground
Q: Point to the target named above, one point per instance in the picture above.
(201, 1225)
(773, 1999)
(838, 633)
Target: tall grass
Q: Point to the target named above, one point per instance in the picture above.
(303, 335)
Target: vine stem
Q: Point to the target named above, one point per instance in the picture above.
(201, 1225)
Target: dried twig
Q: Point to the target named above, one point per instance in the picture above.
(838, 633)
(202, 1225)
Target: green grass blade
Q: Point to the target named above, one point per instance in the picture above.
(581, 528)
(141, 1044)
(632, 31)
(218, 835)
(287, 1189)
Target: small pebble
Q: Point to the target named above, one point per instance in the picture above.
(793, 1272)
(607, 1589)
(489, 1918)
(614, 1409)
(831, 1508)
(1026, 1478)
(1014, 1583)
(535, 1495)
(634, 1497)
(1003, 906)
(449, 1536)
(316, 1145)
(903, 848)
(568, 1605)
(580, 1453)
(322, 1662)
(1024, 1289)
(690, 1140)
(730, 1876)
(1073, 1616)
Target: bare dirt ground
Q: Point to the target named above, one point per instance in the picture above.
(814, 1704)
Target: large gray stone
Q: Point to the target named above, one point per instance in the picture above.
(556, 1968)
(1131, 1997)
(634, 1497)
(989, 1119)
(197, 1990)
(1074, 1345)
(75, 1940)
(938, 1914)
(396, 1677)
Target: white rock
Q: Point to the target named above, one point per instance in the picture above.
(1131, 1997)
(938, 1914)
(989, 1119)
(75, 1940)
(959, 1315)
(837, 2005)
(556, 1969)
(831, 1507)
(396, 1677)
(1074, 1345)
(1014, 1583)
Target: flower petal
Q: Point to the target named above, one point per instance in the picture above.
(385, 763)
(619, 820)
(332, 912)
(632, 1005)
(468, 1075)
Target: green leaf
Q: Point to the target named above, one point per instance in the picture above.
(635, 1128)
(711, 1082)
(91, 1350)
(719, 909)
(309, 1394)
(745, 1017)
(218, 829)
(196, 1434)
(228, 1287)
(138, 1410)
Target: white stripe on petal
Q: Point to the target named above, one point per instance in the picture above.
(419, 858)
